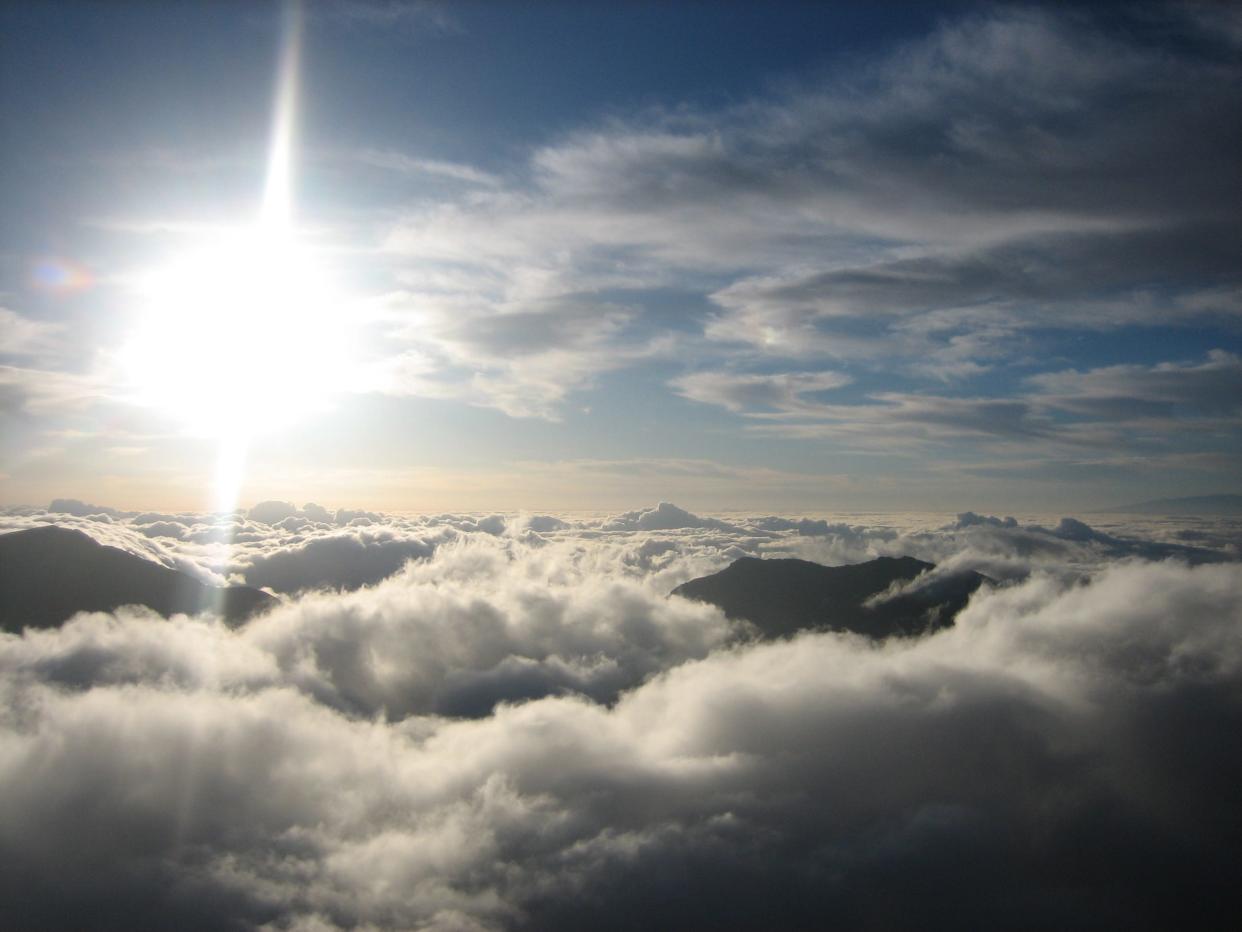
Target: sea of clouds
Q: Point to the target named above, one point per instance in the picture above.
(506, 722)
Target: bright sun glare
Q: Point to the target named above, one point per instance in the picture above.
(246, 333)
(240, 336)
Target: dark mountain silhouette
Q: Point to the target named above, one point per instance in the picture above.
(781, 597)
(49, 573)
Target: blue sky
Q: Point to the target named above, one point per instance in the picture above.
(804, 257)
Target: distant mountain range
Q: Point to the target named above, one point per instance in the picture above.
(47, 574)
(782, 597)
(1194, 505)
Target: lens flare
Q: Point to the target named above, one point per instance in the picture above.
(59, 276)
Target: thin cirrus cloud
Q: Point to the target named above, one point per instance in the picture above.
(1090, 282)
(524, 356)
(45, 391)
(23, 337)
(1089, 407)
(739, 392)
(408, 165)
(409, 17)
(919, 149)
(1212, 387)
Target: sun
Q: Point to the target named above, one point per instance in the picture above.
(243, 335)
(246, 333)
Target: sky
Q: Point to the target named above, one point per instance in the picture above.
(470, 332)
(477, 256)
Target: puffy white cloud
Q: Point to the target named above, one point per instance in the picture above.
(664, 517)
(1064, 756)
(164, 529)
(335, 561)
(272, 512)
(480, 624)
(78, 508)
(316, 513)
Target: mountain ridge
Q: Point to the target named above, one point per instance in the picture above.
(784, 596)
(49, 573)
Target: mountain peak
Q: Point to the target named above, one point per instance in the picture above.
(784, 596)
(50, 573)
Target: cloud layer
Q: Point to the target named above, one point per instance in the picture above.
(521, 730)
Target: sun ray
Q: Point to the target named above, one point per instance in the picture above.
(245, 333)
(275, 233)
(276, 216)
